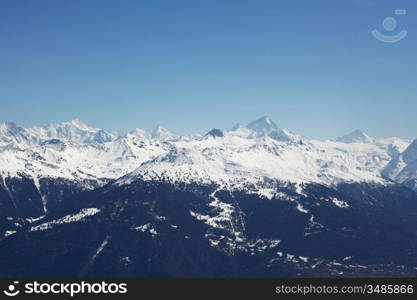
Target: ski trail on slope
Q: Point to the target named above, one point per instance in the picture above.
(227, 211)
(91, 261)
(9, 192)
(43, 198)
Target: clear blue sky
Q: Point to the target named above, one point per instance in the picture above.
(312, 65)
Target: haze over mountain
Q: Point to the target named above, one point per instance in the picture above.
(357, 136)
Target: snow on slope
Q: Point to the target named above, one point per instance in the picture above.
(78, 162)
(394, 145)
(72, 150)
(232, 160)
(12, 135)
(161, 133)
(357, 136)
(403, 168)
(80, 216)
(75, 131)
(76, 151)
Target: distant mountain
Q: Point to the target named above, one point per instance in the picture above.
(14, 136)
(237, 161)
(161, 133)
(215, 133)
(69, 156)
(255, 200)
(74, 131)
(266, 127)
(153, 228)
(76, 151)
(140, 133)
(394, 145)
(403, 168)
(357, 136)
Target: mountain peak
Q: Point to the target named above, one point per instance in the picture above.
(161, 133)
(236, 127)
(215, 133)
(81, 125)
(74, 130)
(266, 127)
(358, 132)
(356, 136)
(8, 126)
(264, 124)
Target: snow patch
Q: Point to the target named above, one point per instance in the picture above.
(147, 228)
(300, 208)
(339, 203)
(84, 213)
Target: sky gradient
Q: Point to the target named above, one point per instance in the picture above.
(312, 66)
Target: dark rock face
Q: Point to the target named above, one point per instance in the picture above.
(157, 229)
(215, 133)
(22, 199)
(19, 197)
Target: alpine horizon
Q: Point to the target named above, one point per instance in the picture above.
(255, 200)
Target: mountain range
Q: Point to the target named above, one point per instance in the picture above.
(255, 200)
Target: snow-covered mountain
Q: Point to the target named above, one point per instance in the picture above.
(264, 127)
(76, 151)
(75, 131)
(71, 154)
(223, 157)
(241, 157)
(261, 150)
(403, 168)
(255, 200)
(161, 133)
(393, 144)
(357, 136)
